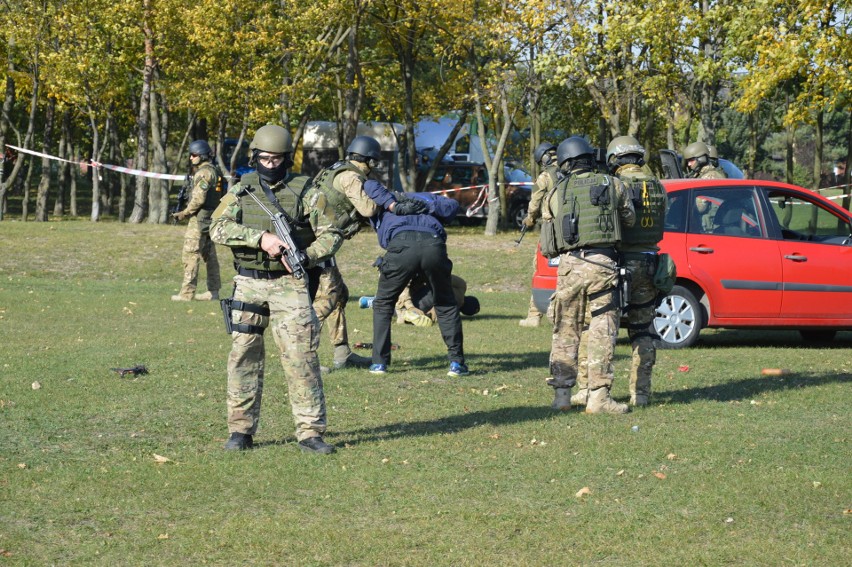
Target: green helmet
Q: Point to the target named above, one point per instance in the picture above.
(273, 139)
(697, 151)
(621, 146)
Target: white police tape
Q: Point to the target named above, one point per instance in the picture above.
(96, 165)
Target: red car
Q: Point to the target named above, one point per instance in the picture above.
(749, 254)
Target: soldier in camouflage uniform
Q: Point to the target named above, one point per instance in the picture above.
(336, 198)
(588, 211)
(639, 253)
(267, 295)
(698, 162)
(197, 247)
(545, 157)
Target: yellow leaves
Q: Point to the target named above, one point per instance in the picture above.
(585, 491)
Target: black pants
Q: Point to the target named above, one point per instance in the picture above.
(408, 253)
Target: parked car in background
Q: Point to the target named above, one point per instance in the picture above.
(749, 254)
(467, 183)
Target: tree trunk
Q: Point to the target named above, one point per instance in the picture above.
(159, 196)
(64, 168)
(140, 205)
(8, 103)
(96, 155)
(72, 187)
(43, 190)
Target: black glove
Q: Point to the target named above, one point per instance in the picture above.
(409, 206)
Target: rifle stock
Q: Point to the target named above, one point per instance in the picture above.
(181, 197)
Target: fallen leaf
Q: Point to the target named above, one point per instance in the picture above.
(582, 492)
(847, 512)
(619, 473)
(729, 520)
(385, 460)
(671, 456)
(161, 459)
(163, 536)
(775, 371)
(495, 436)
(5, 553)
(683, 368)
(533, 441)
(817, 484)
(659, 475)
(22, 465)
(36, 385)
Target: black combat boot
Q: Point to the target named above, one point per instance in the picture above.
(239, 442)
(316, 445)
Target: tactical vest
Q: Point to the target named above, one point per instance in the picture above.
(649, 200)
(215, 193)
(551, 171)
(345, 215)
(586, 212)
(289, 195)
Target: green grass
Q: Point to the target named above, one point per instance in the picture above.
(728, 467)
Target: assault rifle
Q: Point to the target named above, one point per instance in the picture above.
(296, 258)
(181, 197)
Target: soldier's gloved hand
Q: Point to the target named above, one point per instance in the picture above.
(528, 222)
(410, 206)
(178, 216)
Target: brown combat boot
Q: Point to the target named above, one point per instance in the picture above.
(600, 401)
(561, 399)
(208, 296)
(533, 321)
(581, 397)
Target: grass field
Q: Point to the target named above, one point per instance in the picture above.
(726, 467)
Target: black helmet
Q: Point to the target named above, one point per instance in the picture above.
(200, 148)
(573, 148)
(543, 149)
(273, 139)
(365, 146)
(625, 146)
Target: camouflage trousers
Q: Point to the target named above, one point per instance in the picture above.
(198, 247)
(295, 331)
(330, 305)
(584, 284)
(640, 315)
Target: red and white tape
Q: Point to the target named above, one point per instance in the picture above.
(96, 164)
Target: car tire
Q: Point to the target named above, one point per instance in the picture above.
(678, 319)
(517, 213)
(818, 336)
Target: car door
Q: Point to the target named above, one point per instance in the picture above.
(816, 256)
(730, 254)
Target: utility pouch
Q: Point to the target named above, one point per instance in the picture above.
(226, 311)
(665, 274)
(599, 195)
(547, 240)
(569, 229)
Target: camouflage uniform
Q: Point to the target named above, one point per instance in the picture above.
(544, 184)
(288, 311)
(197, 246)
(586, 280)
(332, 293)
(710, 172)
(639, 248)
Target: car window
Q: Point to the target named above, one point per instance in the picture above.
(803, 219)
(678, 206)
(727, 212)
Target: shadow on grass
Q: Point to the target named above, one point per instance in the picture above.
(443, 425)
(719, 338)
(748, 388)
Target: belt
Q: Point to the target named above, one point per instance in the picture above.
(260, 274)
(583, 252)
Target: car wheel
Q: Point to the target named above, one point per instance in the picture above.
(818, 335)
(517, 213)
(678, 319)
